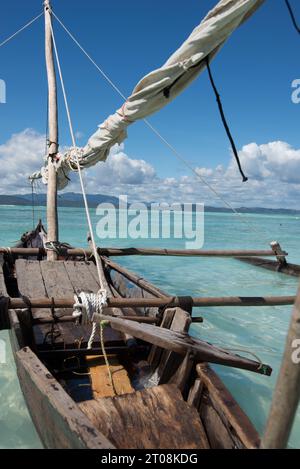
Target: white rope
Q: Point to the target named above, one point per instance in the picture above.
(97, 259)
(86, 304)
(20, 30)
(158, 134)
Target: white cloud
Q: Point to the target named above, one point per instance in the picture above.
(20, 156)
(273, 170)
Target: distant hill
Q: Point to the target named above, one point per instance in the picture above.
(72, 199)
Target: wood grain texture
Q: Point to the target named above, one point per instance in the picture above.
(57, 282)
(153, 418)
(58, 420)
(100, 380)
(31, 284)
(238, 426)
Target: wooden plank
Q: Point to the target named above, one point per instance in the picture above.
(81, 277)
(100, 380)
(57, 282)
(171, 361)
(230, 413)
(182, 343)
(58, 420)
(155, 418)
(3, 291)
(218, 435)
(31, 285)
(195, 393)
(70, 335)
(156, 352)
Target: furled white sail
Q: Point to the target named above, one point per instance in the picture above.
(159, 87)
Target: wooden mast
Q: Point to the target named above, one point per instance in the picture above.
(52, 217)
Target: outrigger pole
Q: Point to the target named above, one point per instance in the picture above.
(287, 391)
(52, 217)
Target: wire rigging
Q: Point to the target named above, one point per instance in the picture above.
(293, 17)
(20, 30)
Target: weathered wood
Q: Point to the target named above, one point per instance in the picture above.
(287, 391)
(57, 282)
(31, 285)
(79, 252)
(68, 302)
(58, 420)
(182, 374)
(52, 216)
(170, 362)
(81, 277)
(182, 343)
(100, 380)
(16, 336)
(237, 425)
(274, 266)
(184, 252)
(69, 336)
(156, 352)
(3, 291)
(195, 393)
(153, 418)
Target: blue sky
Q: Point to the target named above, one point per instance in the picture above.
(253, 72)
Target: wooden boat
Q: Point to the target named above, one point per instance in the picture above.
(159, 399)
(129, 375)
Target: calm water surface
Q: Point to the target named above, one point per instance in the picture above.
(259, 330)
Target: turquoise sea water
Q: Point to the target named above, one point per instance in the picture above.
(260, 330)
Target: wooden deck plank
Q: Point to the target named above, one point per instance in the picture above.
(100, 380)
(57, 282)
(31, 284)
(81, 276)
(153, 418)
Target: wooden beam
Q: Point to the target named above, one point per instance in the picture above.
(182, 343)
(287, 391)
(80, 252)
(19, 303)
(52, 217)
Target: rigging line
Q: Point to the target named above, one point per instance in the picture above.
(158, 134)
(97, 259)
(224, 121)
(293, 17)
(21, 29)
(32, 204)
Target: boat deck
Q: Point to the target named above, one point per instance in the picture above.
(38, 279)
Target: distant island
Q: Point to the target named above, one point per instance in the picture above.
(72, 199)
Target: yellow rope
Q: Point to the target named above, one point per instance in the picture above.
(103, 324)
